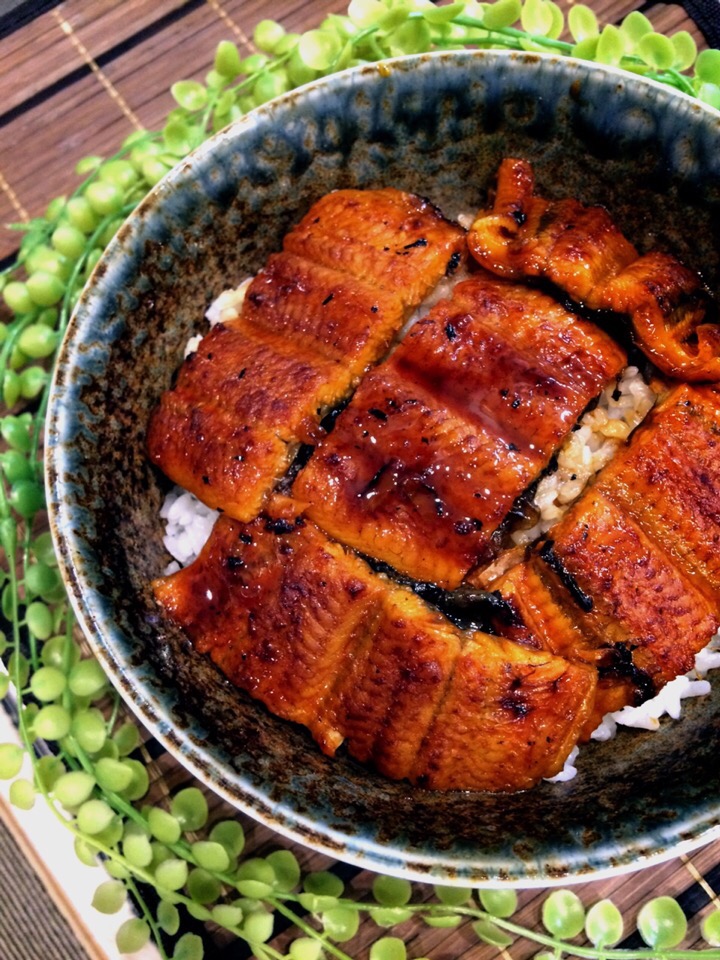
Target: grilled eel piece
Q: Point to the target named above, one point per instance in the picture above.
(438, 441)
(312, 321)
(581, 250)
(307, 628)
(630, 579)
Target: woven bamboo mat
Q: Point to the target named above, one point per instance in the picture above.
(75, 78)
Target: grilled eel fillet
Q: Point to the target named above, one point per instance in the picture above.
(581, 250)
(439, 440)
(629, 580)
(312, 321)
(307, 628)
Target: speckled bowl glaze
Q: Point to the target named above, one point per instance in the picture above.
(438, 125)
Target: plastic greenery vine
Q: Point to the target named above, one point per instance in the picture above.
(91, 778)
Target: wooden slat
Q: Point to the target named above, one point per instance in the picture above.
(40, 53)
(665, 17)
(85, 117)
(145, 81)
(295, 15)
(670, 17)
(105, 24)
(37, 61)
(12, 211)
(612, 11)
(85, 120)
(183, 50)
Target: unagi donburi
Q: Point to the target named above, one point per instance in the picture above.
(372, 458)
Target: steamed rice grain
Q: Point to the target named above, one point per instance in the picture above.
(621, 407)
(188, 523)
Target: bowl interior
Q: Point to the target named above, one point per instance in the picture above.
(437, 125)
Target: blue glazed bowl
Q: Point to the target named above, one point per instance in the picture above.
(437, 125)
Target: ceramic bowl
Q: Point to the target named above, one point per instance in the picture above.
(437, 125)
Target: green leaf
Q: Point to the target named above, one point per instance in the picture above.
(391, 891)
(656, 50)
(227, 915)
(582, 22)
(610, 46)
(171, 874)
(502, 13)
(179, 137)
(443, 921)
(635, 26)
(11, 758)
(604, 924)
(563, 914)
(341, 923)
(707, 66)
(190, 95)
(318, 49)
(661, 923)
(210, 855)
(388, 948)
(711, 928)
(366, 13)
(323, 883)
(558, 20)
(256, 879)
(452, 896)
(132, 935)
(22, 794)
(685, 50)
(413, 36)
(709, 93)
(536, 17)
(110, 896)
(305, 948)
(190, 807)
(500, 903)
(258, 927)
(112, 775)
(267, 35)
(140, 782)
(168, 917)
(389, 916)
(189, 947)
(395, 14)
(286, 869)
(227, 59)
(490, 933)
(202, 886)
(444, 13)
(232, 836)
(309, 901)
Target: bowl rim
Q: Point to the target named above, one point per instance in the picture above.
(96, 621)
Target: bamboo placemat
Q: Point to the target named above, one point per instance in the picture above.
(77, 77)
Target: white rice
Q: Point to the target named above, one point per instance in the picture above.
(188, 523)
(224, 308)
(569, 770)
(620, 408)
(227, 305)
(647, 715)
(667, 702)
